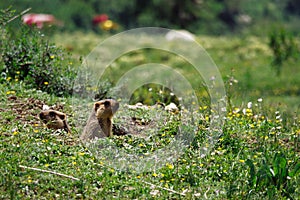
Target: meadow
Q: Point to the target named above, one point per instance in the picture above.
(255, 157)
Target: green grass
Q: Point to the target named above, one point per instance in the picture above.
(256, 157)
(245, 59)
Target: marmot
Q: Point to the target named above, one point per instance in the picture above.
(99, 124)
(54, 119)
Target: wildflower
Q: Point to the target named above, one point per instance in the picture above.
(138, 176)
(112, 170)
(46, 83)
(155, 174)
(107, 25)
(249, 105)
(18, 72)
(74, 163)
(170, 166)
(259, 100)
(154, 192)
(35, 130)
(52, 56)
(266, 137)
(8, 78)
(100, 18)
(47, 165)
(236, 110)
(81, 153)
(15, 132)
(16, 79)
(10, 92)
(242, 161)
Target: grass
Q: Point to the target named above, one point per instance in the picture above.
(244, 59)
(257, 155)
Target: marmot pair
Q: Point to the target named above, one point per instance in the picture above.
(98, 125)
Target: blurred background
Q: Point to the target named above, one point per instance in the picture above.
(215, 17)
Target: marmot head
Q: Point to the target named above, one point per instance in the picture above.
(105, 109)
(54, 119)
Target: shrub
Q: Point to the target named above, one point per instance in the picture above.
(283, 46)
(27, 56)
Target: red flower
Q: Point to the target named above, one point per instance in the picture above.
(99, 19)
(38, 19)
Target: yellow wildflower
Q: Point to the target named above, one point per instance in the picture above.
(170, 166)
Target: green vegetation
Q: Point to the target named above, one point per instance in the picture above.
(256, 157)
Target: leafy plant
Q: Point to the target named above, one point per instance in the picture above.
(273, 178)
(30, 58)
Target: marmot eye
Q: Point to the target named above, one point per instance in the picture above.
(52, 114)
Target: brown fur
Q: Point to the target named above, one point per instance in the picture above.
(99, 123)
(54, 119)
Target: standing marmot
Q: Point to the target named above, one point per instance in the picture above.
(54, 119)
(99, 123)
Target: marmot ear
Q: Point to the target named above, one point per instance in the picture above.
(96, 106)
(62, 116)
(107, 104)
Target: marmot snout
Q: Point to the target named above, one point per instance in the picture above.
(54, 119)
